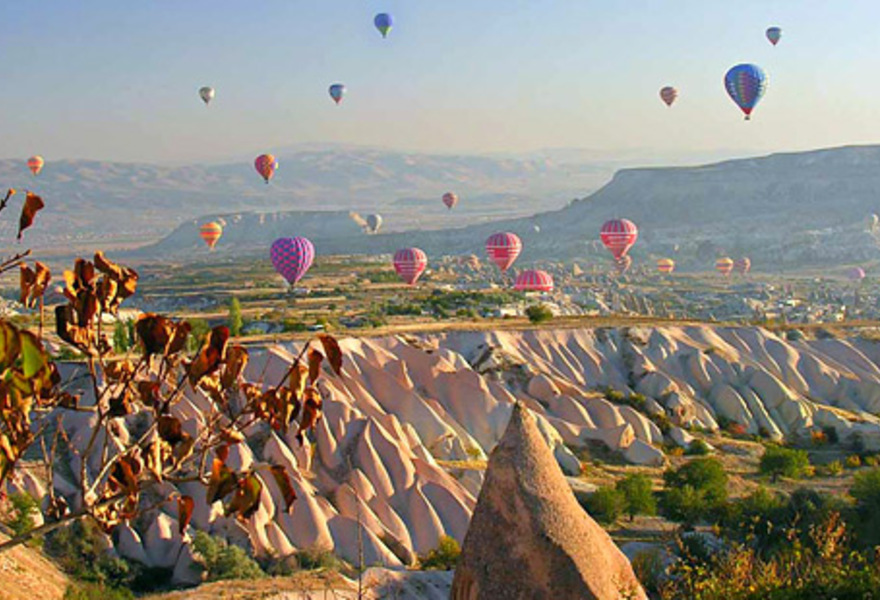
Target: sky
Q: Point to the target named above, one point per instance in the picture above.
(112, 80)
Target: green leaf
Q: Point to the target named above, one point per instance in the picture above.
(33, 359)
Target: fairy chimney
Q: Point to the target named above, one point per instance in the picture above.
(529, 538)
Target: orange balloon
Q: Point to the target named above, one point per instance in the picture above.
(35, 164)
(210, 233)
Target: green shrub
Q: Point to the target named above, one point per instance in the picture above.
(853, 461)
(605, 505)
(234, 320)
(199, 328)
(121, 341)
(223, 560)
(779, 461)
(697, 447)
(96, 591)
(866, 491)
(638, 496)
(80, 549)
(442, 558)
(24, 509)
(834, 468)
(293, 325)
(313, 559)
(538, 313)
(696, 491)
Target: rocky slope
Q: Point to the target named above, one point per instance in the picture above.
(405, 406)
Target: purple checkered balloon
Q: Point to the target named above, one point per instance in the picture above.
(292, 257)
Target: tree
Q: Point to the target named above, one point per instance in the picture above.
(866, 491)
(120, 337)
(695, 491)
(779, 461)
(605, 505)
(538, 313)
(638, 496)
(442, 558)
(234, 320)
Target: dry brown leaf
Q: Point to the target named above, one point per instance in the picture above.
(315, 360)
(32, 205)
(333, 352)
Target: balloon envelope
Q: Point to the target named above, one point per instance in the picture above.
(724, 266)
(856, 274)
(265, 164)
(666, 265)
(534, 280)
(337, 91)
(374, 223)
(774, 34)
(668, 95)
(410, 263)
(292, 257)
(35, 164)
(450, 199)
(746, 85)
(619, 235)
(210, 233)
(206, 94)
(384, 22)
(742, 265)
(504, 249)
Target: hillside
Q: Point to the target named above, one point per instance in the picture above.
(110, 202)
(786, 211)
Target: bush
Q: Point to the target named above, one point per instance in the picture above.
(866, 491)
(834, 468)
(223, 560)
(538, 313)
(442, 558)
(234, 320)
(80, 549)
(696, 491)
(121, 341)
(199, 328)
(605, 505)
(637, 494)
(779, 461)
(697, 448)
(289, 325)
(95, 591)
(24, 509)
(853, 461)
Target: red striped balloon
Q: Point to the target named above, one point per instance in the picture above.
(534, 280)
(724, 266)
(666, 265)
(619, 235)
(35, 164)
(410, 263)
(742, 265)
(450, 199)
(210, 233)
(504, 249)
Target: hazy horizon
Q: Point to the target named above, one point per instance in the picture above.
(102, 80)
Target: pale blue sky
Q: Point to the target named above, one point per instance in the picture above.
(117, 79)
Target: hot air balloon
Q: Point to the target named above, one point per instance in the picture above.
(450, 199)
(265, 164)
(35, 164)
(210, 233)
(724, 266)
(856, 274)
(410, 263)
(668, 95)
(623, 264)
(384, 22)
(742, 265)
(206, 94)
(774, 34)
(746, 85)
(337, 91)
(503, 249)
(534, 280)
(374, 223)
(537, 228)
(292, 257)
(666, 265)
(619, 235)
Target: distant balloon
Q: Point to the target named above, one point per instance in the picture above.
(450, 199)
(619, 235)
(668, 95)
(384, 22)
(410, 263)
(35, 164)
(622, 265)
(534, 280)
(774, 34)
(746, 85)
(742, 265)
(537, 228)
(666, 265)
(873, 223)
(206, 94)
(210, 233)
(374, 223)
(337, 91)
(724, 266)
(292, 257)
(265, 164)
(504, 249)
(856, 274)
